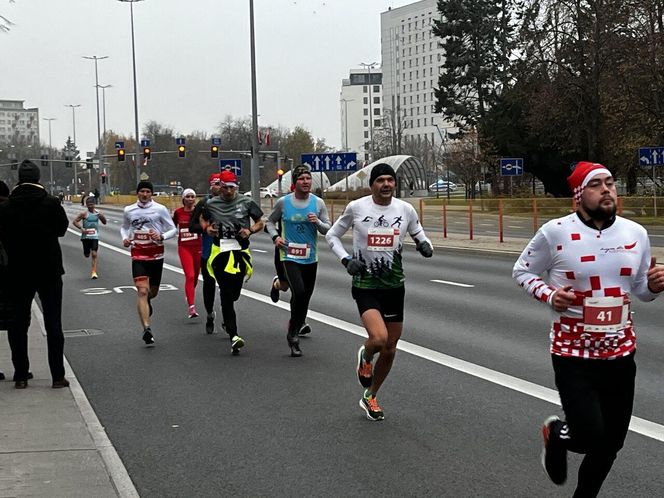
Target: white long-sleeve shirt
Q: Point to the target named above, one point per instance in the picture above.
(609, 263)
(137, 221)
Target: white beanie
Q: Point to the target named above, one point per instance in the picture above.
(188, 191)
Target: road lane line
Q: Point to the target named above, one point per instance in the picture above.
(457, 284)
(258, 250)
(639, 425)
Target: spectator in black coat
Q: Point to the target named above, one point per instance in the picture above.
(4, 305)
(31, 221)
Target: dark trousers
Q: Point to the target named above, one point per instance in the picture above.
(209, 287)
(50, 294)
(597, 397)
(230, 287)
(301, 279)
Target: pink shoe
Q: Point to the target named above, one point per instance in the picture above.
(192, 312)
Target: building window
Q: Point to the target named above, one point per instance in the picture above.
(376, 88)
(377, 122)
(365, 89)
(366, 123)
(365, 100)
(366, 111)
(376, 112)
(376, 100)
(366, 134)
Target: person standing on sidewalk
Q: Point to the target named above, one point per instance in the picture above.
(228, 218)
(5, 310)
(31, 222)
(302, 216)
(189, 248)
(145, 226)
(379, 223)
(209, 283)
(88, 223)
(594, 263)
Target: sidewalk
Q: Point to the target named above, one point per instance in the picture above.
(51, 442)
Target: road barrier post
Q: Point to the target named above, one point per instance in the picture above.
(500, 219)
(470, 218)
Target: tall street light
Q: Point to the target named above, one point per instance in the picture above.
(102, 165)
(96, 58)
(133, 59)
(73, 118)
(345, 101)
(255, 171)
(369, 67)
(50, 150)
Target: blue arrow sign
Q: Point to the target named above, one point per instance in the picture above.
(145, 143)
(335, 161)
(180, 141)
(651, 156)
(216, 141)
(235, 165)
(511, 166)
(119, 144)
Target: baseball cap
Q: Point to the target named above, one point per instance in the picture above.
(228, 178)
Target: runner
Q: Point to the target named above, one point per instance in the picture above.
(594, 261)
(209, 284)
(302, 216)
(145, 226)
(280, 282)
(88, 223)
(379, 224)
(228, 219)
(189, 248)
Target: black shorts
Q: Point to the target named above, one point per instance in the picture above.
(389, 302)
(151, 269)
(89, 245)
(279, 265)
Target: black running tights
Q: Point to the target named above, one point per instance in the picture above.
(209, 287)
(230, 287)
(301, 279)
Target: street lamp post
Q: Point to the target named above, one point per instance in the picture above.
(447, 163)
(50, 151)
(345, 101)
(102, 167)
(73, 118)
(255, 170)
(370, 66)
(133, 58)
(95, 58)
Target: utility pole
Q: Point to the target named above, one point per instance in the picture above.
(73, 118)
(370, 66)
(50, 151)
(255, 170)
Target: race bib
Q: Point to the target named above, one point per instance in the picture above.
(142, 237)
(298, 251)
(185, 234)
(605, 314)
(382, 239)
(229, 245)
(90, 232)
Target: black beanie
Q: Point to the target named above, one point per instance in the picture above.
(381, 169)
(300, 170)
(144, 184)
(28, 172)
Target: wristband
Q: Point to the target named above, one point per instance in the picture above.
(274, 238)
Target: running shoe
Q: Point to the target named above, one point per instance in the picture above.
(364, 369)
(370, 405)
(274, 292)
(93, 275)
(236, 343)
(148, 338)
(209, 323)
(192, 312)
(294, 344)
(554, 453)
(305, 329)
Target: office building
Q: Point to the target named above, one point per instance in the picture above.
(18, 125)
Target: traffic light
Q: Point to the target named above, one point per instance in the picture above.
(280, 173)
(88, 163)
(68, 161)
(182, 151)
(121, 154)
(147, 153)
(103, 177)
(214, 151)
(44, 160)
(14, 166)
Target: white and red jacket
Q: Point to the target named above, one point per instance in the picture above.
(608, 263)
(137, 220)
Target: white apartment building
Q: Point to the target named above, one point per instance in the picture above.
(412, 59)
(361, 101)
(17, 124)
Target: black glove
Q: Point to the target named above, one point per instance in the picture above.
(424, 248)
(353, 266)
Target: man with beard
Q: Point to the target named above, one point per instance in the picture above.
(594, 261)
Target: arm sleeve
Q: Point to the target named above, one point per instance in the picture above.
(169, 229)
(273, 219)
(415, 228)
(535, 259)
(125, 227)
(324, 223)
(340, 227)
(195, 222)
(255, 211)
(640, 287)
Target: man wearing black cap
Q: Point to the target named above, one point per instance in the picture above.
(31, 221)
(145, 226)
(379, 223)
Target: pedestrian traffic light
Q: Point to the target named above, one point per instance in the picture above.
(121, 154)
(147, 153)
(103, 177)
(44, 160)
(182, 151)
(214, 151)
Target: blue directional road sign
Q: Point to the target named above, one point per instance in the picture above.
(511, 166)
(336, 161)
(145, 143)
(651, 156)
(216, 141)
(235, 165)
(119, 144)
(180, 141)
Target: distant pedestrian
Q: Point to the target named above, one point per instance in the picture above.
(189, 248)
(31, 221)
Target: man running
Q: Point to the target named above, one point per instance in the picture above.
(209, 284)
(145, 226)
(302, 216)
(379, 223)
(594, 261)
(88, 223)
(228, 219)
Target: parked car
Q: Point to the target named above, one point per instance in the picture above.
(442, 186)
(265, 193)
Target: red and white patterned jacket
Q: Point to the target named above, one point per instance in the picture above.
(597, 263)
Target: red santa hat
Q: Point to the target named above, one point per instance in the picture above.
(582, 174)
(228, 178)
(214, 179)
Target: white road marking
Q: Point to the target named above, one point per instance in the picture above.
(639, 425)
(258, 250)
(514, 226)
(447, 282)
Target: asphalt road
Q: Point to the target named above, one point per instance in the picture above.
(189, 419)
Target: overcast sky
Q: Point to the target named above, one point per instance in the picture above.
(193, 61)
